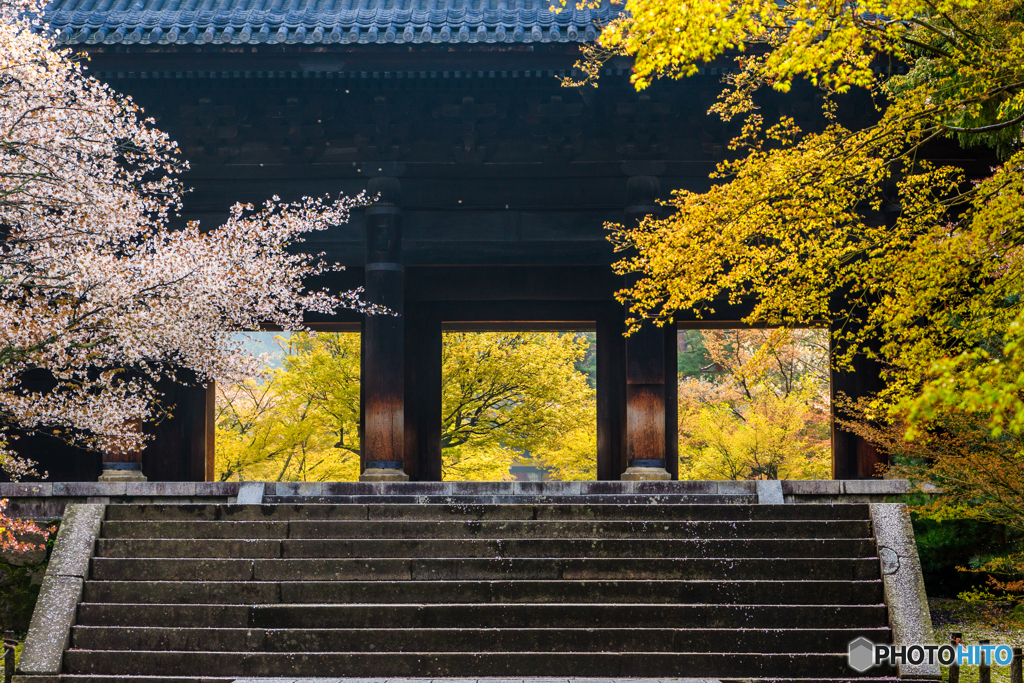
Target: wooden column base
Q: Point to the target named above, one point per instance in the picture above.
(374, 474)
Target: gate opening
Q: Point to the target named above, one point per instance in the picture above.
(519, 405)
(297, 417)
(754, 404)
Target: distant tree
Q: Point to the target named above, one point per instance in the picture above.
(299, 422)
(573, 456)
(760, 410)
(693, 359)
(509, 395)
(506, 398)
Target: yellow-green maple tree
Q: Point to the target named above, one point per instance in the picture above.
(794, 222)
(506, 398)
(515, 396)
(761, 411)
(299, 421)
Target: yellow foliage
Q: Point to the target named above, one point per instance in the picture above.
(515, 397)
(764, 414)
(298, 422)
(573, 457)
(506, 398)
(909, 262)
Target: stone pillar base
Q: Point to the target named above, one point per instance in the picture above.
(380, 474)
(122, 476)
(646, 474)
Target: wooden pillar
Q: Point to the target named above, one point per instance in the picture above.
(852, 456)
(671, 400)
(646, 428)
(423, 396)
(383, 378)
(647, 433)
(182, 447)
(611, 397)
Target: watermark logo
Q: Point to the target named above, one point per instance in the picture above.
(864, 654)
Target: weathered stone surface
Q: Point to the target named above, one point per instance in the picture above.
(506, 529)
(250, 493)
(185, 529)
(413, 488)
(373, 474)
(636, 584)
(88, 488)
(35, 679)
(126, 476)
(161, 569)
(676, 487)
(33, 489)
(646, 474)
(478, 488)
(348, 488)
(187, 547)
(50, 630)
(876, 487)
(769, 492)
(818, 487)
(605, 487)
(36, 508)
(76, 540)
(548, 488)
(217, 488)
(443, 665)
(298, 488)
(161, 488)
(561, 548)
(736, 487)
(909, 616)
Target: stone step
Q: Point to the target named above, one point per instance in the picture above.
(440, 664)
(503, 529)
(447, 511)
(475, 569)
(471, 639)
(495, 615)
(521, 591)
(519, 498)
(79, 678)
(539, 547)
(407, 584)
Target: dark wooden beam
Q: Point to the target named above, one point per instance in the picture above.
(611, 397)
(671, 400)
(422, 397)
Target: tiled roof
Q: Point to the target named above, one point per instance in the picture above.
(322, 21)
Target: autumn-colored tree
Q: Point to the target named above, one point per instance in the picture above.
(298, 422)
(513, 395)
(506, 398)
(795, 224)
(759, 410)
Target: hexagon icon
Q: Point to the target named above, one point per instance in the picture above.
(862, 654)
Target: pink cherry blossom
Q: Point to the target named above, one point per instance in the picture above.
(97, 291)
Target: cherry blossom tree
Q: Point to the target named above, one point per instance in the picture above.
(99, 296)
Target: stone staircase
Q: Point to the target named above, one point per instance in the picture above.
(725, 589)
